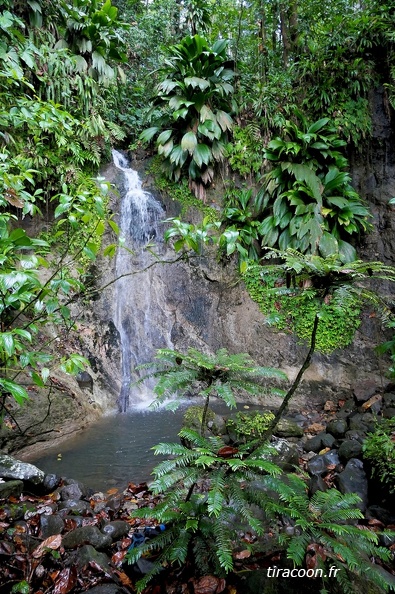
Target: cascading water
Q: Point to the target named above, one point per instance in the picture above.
(135, 311)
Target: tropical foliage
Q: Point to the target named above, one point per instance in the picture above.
(195, 103)
(221, 375)
(293, 293)
(312, 205)
(47, 158)
(213, 493)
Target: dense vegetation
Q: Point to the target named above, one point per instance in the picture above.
(273, 93)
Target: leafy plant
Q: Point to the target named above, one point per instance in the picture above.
(379, 449)
(93, 33)
(324, 527)
(244, 153)
(212, 493)
(307, 288)
(202, 524)
(250, 425)
(220, 374)
(194, 98)
(307, 198)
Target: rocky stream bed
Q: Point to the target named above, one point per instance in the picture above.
(57, 536)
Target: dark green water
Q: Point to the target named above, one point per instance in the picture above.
(114, 451)
(117, 449)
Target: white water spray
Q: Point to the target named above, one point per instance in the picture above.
(135, 315)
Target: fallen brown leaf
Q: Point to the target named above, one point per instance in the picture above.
(52, 542)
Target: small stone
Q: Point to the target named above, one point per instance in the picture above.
(389, 413)
(320, 464)
(317, 483)
(72, 491)
(362, 422)
(356, 435)
(330, 406)
(87, 553)
(350, 448)
(76, 506)
(328, 440)
(50, 525)
(51, 482)
(337, 427)
(116, 529)
(314, 444)
(364, 390)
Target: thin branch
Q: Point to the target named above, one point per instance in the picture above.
(296, 382)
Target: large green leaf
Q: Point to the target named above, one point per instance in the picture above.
(202, 154)
(318, 125)
(328, 245)
(189, 142)
(178, 155)
(303, 173)
(347, 251)
(164, 136)
(149, 133)
(224, 120)
(195, 81)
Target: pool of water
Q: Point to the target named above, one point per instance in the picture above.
(116, 450)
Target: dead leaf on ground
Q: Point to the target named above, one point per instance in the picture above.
(124, 579)
(208, 584)
(315, 428)
(66, 580)
(118, 557)
(242, 554)
(52, 542)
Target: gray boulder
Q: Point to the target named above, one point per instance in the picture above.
(116, 529)
(86, 535)
(350, 448)
(353, 479)
(286, 456)
(10, 468)
(50, 524)
(337, 427)
(288, 428)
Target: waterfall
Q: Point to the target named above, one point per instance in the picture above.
(136, 315)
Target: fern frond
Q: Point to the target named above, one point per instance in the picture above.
(223, 546)
(216, 498)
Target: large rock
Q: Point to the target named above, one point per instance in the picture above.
(322, 463)
(337, 427)
(86, 535)
(286, 456)
(51, 524)
(288, 428)
(11, 488)
(86, 554)
(10, 468)
(350, 448)
(353, 479)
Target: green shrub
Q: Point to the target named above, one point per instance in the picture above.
(379, 449)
